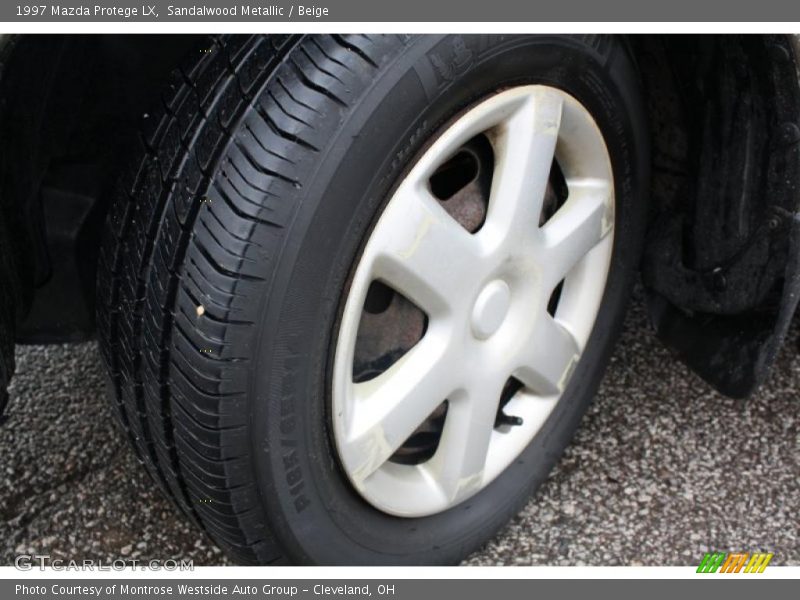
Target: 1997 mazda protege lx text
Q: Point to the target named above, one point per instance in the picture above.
(354, 293)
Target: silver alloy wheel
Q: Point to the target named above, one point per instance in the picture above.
(485, 296)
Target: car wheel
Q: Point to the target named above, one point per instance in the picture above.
(358, 291)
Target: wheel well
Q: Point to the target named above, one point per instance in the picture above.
(70, 108)
(718, 265)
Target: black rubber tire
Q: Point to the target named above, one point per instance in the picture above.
(257, 186)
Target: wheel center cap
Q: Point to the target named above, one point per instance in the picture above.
(490, 309)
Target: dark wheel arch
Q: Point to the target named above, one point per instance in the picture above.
(721, 265)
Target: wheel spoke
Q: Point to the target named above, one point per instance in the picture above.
(390, 407)
(576, 228)
(524, 149)
(421, 251)
(548, 358)
(460, 459)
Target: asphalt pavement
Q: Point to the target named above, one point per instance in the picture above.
(663, 469)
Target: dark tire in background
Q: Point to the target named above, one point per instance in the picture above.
(227, 258)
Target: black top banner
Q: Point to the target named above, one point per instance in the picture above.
(472, 11)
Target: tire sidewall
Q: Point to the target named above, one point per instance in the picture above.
(312, 508)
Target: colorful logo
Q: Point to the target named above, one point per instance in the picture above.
(734, 562)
